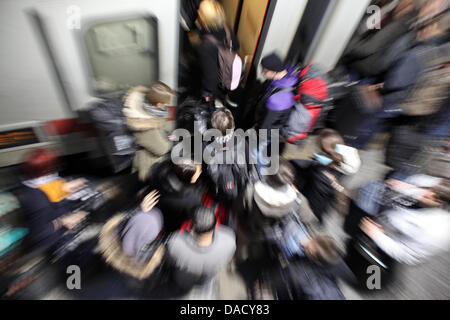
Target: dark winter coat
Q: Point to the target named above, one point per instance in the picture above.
(278, 103)
(39, 215)
(177, 200)
(110, 245)
(208, 57)
(313, 183)
(228, 180)
(115, 137)
(369, 53)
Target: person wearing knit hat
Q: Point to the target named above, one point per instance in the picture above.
(278, 101)
(273, 107)
(272, 62)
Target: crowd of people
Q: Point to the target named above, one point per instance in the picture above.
(192, 219)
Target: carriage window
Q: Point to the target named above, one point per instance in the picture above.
(122, 54)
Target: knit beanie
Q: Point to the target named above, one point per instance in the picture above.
(272, 62)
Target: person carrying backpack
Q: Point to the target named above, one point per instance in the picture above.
(277, 223)
(303, 88)
(267, 202)
(228, 179)
(279, 97)
(292, 103)
(220, 65)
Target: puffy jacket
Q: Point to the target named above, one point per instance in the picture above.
(150, 132)
(278, 102)
(263, 205)
(112, 252)
(177, 200)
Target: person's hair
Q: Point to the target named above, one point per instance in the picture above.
(405, 7)
(435, 11)
(444, 22)
(211, 15)
(40, 162)
(222, 120)
(204, 220)
(285, 174)
(327, 250)
(185, 170)
(328, 139)
(159, 93)
(442, 190)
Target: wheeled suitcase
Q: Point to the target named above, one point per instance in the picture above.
(366, 260)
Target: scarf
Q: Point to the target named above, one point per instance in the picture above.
(141, 116)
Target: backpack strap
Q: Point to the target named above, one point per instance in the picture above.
(228, 44)
(304, 71)
(211, 38)
(288, 89)
(229, 41)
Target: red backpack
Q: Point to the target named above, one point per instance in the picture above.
(311, 91)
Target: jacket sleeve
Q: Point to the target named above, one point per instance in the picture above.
(40, 215)
(154, 141)
(409, 253)
(400, 79)
(379, 40)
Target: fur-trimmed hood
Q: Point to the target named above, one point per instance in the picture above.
(114, 255)
(274, 203)
(138, 116)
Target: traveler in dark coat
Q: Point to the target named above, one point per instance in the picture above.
(228, 167)
(265, 201)
(400, 81)
(44, 198)
(211, 19)
(368, 54)
(319, 180)
(278, 99)
(180, 187)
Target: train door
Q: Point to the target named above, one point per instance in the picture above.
(100, 47)
(64, 55)
(246, 17)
